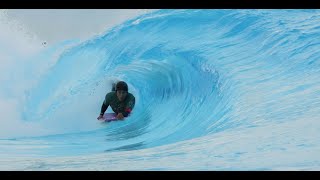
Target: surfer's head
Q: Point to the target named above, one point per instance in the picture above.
(122, 90)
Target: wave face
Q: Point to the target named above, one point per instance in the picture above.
(215, 90)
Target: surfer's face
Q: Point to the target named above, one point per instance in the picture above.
(121, 94)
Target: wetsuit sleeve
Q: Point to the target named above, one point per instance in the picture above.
(129, 106)
(105, 105)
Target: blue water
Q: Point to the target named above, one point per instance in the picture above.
(215, 90)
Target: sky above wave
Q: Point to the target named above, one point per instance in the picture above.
(55, 25)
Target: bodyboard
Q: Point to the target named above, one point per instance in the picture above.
(108, 117)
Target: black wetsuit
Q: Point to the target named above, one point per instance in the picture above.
(125, 107)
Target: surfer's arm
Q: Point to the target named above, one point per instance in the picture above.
(129, 107)
(104, 106)
(103, 109)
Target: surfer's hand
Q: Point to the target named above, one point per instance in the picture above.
(100, 117)
(120, 116)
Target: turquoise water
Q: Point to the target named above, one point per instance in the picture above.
(215, 90)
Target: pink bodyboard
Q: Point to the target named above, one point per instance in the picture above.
(107, 117)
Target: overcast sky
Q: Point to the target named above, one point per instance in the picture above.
(54, 25)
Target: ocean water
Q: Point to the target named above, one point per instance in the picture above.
(215, 90)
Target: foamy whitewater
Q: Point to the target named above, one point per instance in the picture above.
(215, 90)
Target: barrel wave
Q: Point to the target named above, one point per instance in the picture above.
(215, 90)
